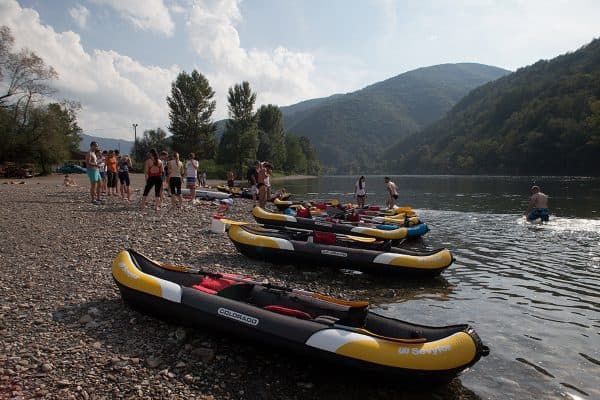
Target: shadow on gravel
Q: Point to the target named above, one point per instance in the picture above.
(209, 361)
(377, 289)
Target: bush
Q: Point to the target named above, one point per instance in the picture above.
(212, 169)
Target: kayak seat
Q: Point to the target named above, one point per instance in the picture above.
(238, 292)
(324, 237)
(261, 296)
(292, 312)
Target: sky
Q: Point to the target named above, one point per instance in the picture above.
(118, 58)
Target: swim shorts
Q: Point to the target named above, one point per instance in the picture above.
(541, 213)
(93, 174)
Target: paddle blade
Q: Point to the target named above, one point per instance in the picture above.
(360, 238)
(353, 304)
(232, 222)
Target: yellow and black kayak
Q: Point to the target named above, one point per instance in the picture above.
(334, 330)
(384, 232)
(231, 190)
(338, 250)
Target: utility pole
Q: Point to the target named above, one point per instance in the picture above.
(134, 140)
(134, 132)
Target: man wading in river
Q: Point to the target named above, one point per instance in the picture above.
(538, 205)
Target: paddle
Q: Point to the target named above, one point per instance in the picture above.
(184, 269)
(351, 237)
(373, 334)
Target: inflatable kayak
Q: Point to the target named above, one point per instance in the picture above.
(340, 331)
(389, 232)
(338, 250)
(280, 197)
(206, 194)
(235, 191)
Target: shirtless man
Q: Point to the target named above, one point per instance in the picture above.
(393, 191)
(538, 205)
(262, 188)
(93, 172)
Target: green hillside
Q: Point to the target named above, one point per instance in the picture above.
(541, 120)
(350, 132)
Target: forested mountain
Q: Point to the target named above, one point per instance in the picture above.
(124, 146)
(350, 132)
(541, 120)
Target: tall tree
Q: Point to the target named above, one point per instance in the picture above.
(31, 131)
(313, 165)
(240, 140)
(191, 106)
(152, 139)
(271, 144)
(24, 77)
(296, 159)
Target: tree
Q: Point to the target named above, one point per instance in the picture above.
(313, 166)
(151, 139)
(191, 106)
(239, 142)
(296, 159)
(30, 132)
(271, 144)
(24, 77)
(54, 134)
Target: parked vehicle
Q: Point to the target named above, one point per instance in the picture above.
(71, 169)
(12, 171)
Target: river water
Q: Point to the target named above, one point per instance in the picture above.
(531, 291)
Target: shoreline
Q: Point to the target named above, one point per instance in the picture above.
(65, 331)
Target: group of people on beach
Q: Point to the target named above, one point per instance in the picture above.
(163, 172)
(259, 179)
(105, 169)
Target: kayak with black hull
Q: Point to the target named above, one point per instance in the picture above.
(389, 232)
(338, 250)
(339, 331)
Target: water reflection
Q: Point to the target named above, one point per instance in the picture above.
(531, 291)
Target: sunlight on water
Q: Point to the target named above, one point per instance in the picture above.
(564, 224)
(531, 291)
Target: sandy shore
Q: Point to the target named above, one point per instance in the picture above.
(65, 332)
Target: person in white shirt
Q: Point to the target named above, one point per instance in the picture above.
(191, 168)
(360, 191)
(174, 178)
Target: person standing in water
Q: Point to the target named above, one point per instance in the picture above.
(360, 191)
(538, 205)
(393, 191)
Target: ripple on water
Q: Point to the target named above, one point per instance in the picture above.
(532, 292)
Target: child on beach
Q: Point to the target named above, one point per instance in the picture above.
(69, 181)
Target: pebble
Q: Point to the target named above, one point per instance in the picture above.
(66, 321)
(46, 367)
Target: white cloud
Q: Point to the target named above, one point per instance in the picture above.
(80, 15)
(278, 76)
(151, 15)
(114, 89)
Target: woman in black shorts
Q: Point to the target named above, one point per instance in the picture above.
(153, 170)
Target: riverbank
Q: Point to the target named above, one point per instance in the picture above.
(65, 332)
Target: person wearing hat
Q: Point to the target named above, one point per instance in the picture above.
(538, 205)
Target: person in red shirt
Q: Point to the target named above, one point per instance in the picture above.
(153, 170)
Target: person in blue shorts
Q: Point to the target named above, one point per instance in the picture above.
(538, 205)
(93, 172)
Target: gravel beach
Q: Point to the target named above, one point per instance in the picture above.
(65, 332)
